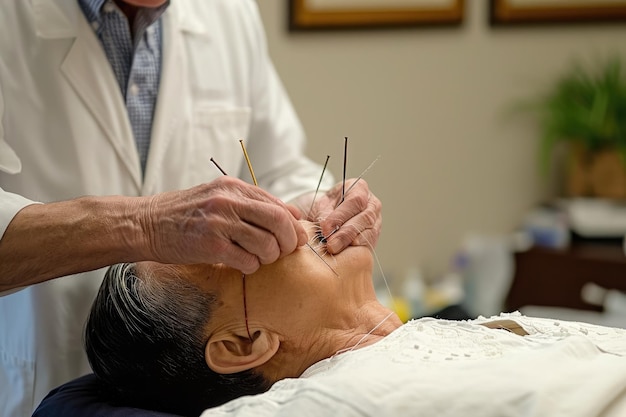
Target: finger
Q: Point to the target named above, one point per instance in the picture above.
(321, 210)
(259, 242)
(362, 229)
(303, 237)
(354, 204)
(369, 237)
(285, 231)
(325, 204)
(238, 258)
(257, 193)
(346, 234)
(295, 211)
(286, 246)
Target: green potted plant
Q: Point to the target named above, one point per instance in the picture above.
(586, 110)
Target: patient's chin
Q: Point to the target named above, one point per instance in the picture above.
(356, 259)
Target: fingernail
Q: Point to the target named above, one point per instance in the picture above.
(333, 232)
(333, 247)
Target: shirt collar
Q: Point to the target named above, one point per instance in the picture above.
(92, 9)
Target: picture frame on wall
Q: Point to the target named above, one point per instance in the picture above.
(362, 14)
(510, 12)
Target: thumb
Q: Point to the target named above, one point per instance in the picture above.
(297, 214)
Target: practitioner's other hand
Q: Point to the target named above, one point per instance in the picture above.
(356, 221)
(226, 221)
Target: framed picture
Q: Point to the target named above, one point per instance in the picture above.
(355, 14)
(503, 12)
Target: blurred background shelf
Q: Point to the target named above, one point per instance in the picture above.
(577, 277)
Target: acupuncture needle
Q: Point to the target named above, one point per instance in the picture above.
(363, 173)
(345, 163)
(218, 167)
(245, 154)
(318, 186)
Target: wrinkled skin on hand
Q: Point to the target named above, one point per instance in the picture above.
(358, 217)
(225, 221)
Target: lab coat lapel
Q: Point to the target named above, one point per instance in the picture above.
(88, 71)
(173, 101)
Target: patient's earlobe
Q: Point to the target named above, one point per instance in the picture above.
(231, 353)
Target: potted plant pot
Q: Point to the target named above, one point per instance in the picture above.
(600, 173)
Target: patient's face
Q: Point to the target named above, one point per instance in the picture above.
(292, 293)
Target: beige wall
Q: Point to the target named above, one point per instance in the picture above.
(429, 102)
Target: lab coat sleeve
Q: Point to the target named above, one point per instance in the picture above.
(277, 137)
(9, 161)
(10, 203)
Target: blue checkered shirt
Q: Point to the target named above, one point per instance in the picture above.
(135, 59)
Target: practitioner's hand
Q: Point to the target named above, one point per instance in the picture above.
(358, 218)
(226, 221)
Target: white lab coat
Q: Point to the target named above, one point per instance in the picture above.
(65, 133)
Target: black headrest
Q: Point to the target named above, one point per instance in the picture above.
(86, 397)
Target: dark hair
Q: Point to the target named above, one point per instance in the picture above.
(145, 340)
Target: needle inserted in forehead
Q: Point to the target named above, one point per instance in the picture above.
(318, 186)
(323, 260)
(218, 167)
(245, 154)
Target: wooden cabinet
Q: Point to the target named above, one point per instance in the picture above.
(555, 277)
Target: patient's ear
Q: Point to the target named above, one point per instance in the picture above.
(231, 353)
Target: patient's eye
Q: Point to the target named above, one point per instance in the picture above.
(318, 245)
(319, 237)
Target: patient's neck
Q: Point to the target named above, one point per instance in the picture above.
(372, 323)
(352, 328)
(358, 319)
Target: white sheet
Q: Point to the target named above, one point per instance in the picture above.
(447, 368)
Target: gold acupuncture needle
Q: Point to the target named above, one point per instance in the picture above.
(245, 154)
(318, 186)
